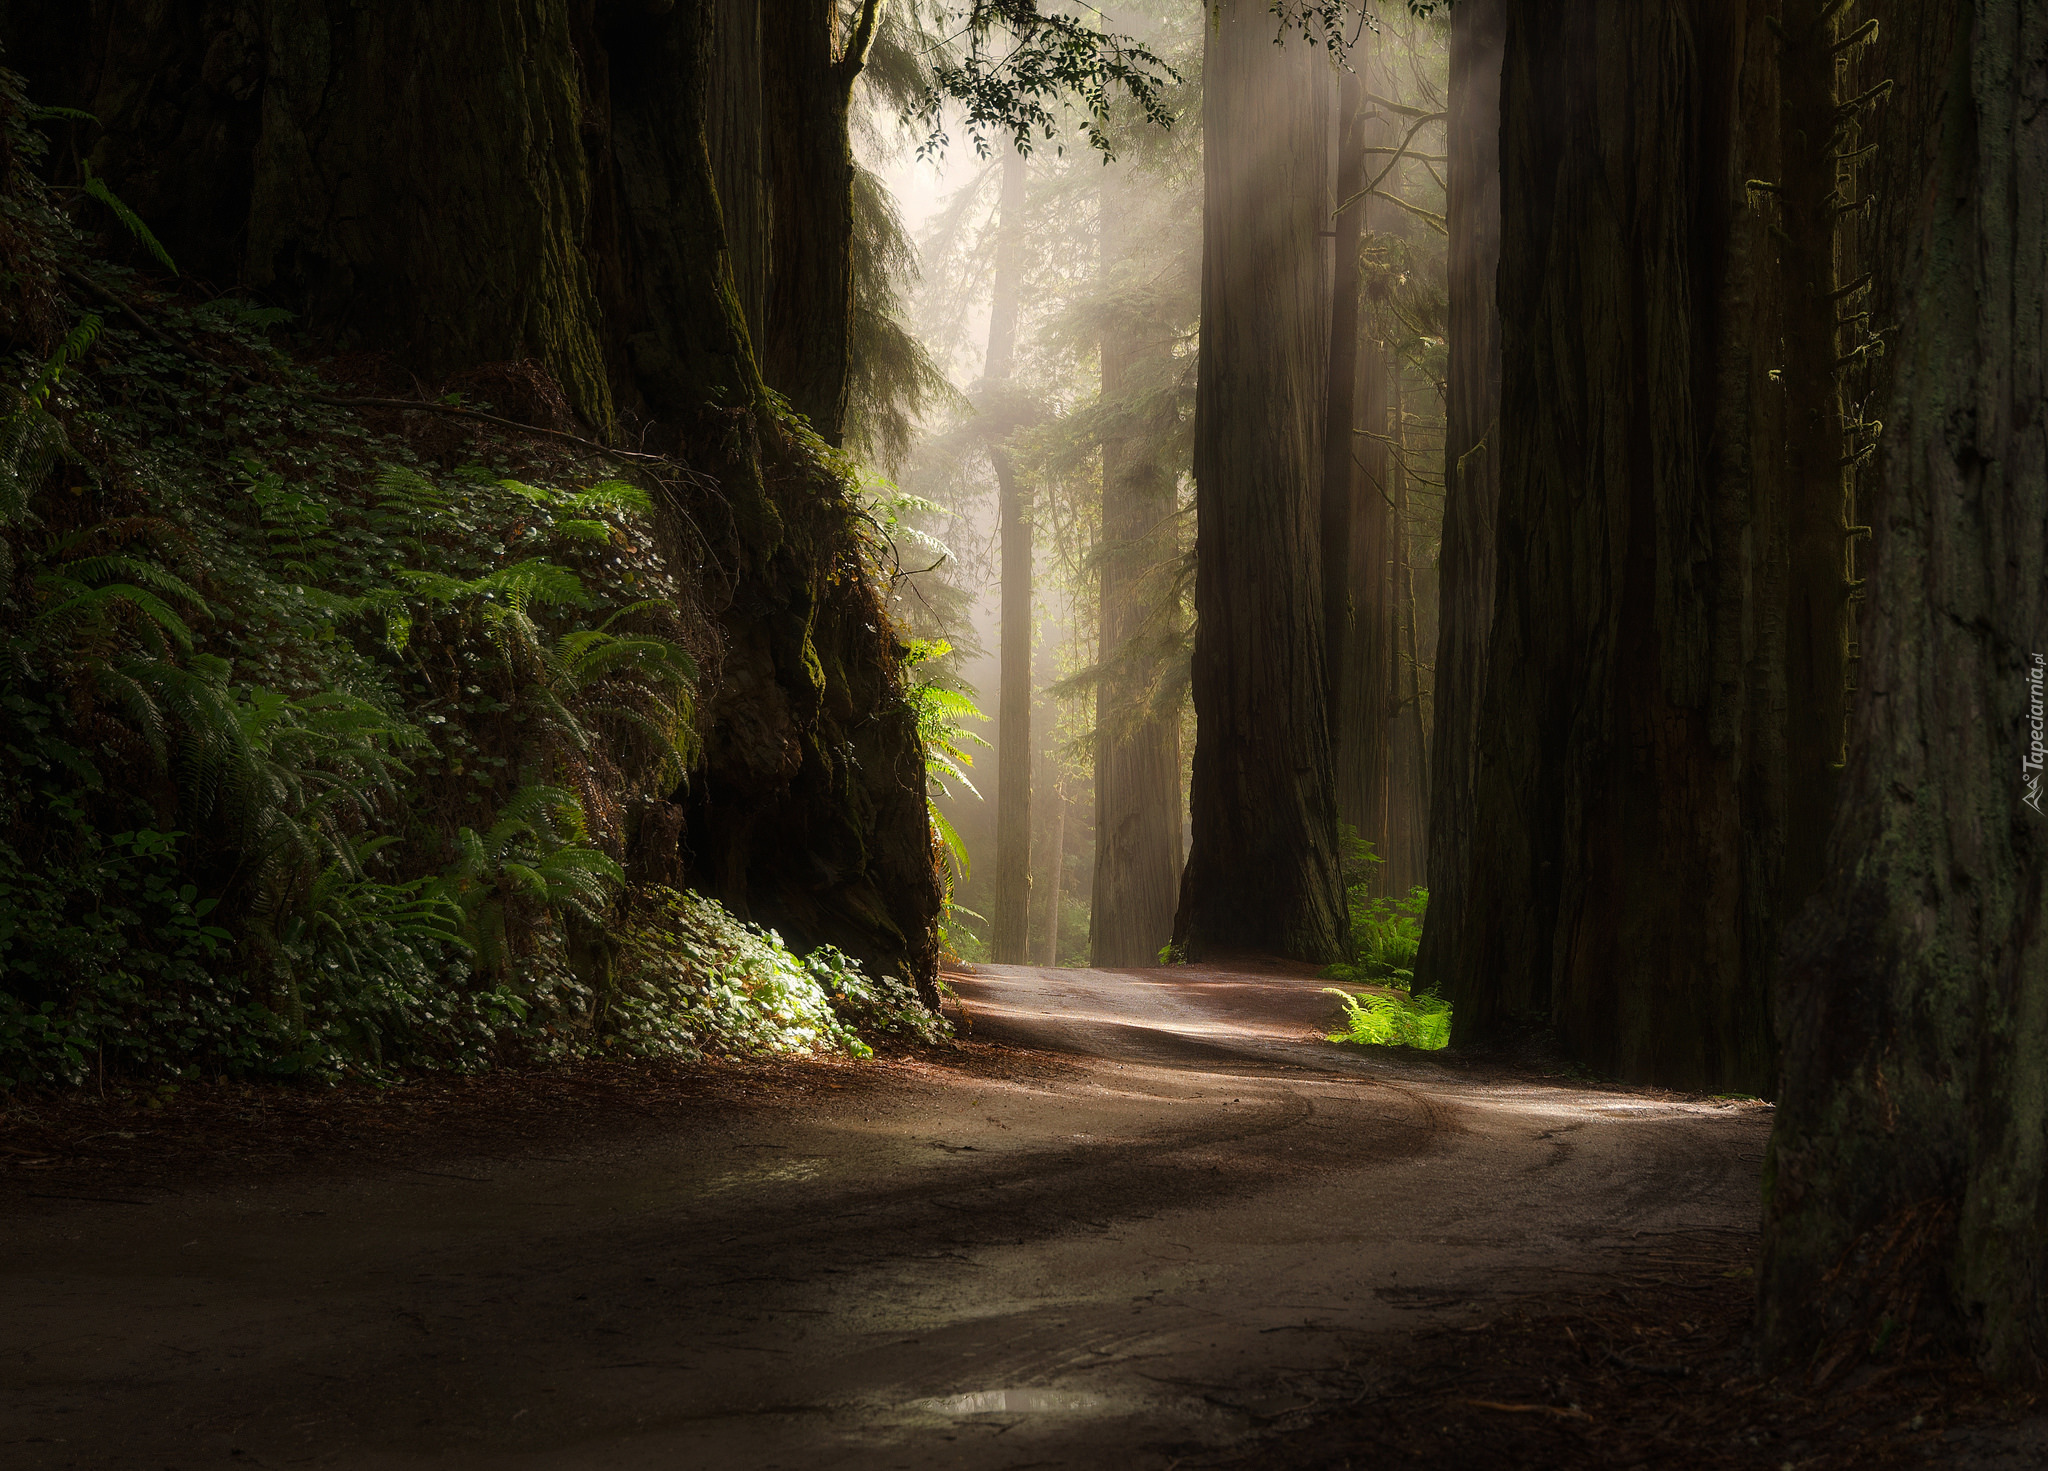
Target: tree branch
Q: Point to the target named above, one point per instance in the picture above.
(1379, 178)
(856, 54)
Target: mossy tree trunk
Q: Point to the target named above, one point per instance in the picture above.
(531, 179)
(1137, 742)
(1262, 873)
(1907, 1177)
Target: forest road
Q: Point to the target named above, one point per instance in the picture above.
(1176, 1235)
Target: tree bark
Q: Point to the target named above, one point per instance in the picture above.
(1471, 482)
(1360, 722)
(1906, 1183)
(809, 80)
(737, 133)
(1622, 861)
(1406, 844)
(1340, 469)
(1137, 744)
(1817, 641)
(1011, 927)
(1262, 874)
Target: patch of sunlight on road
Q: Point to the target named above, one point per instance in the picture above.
(1014, 1402)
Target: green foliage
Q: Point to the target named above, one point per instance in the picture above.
(1386, 932)
(97, 188)
(1393, 1020)
(942, 715)
(316, 756)
(691, 976)
(1385, 935)
(1020, 62)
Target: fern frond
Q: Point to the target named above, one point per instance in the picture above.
(611, 495)
(132, 222)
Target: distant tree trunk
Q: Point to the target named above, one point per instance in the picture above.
(1011, 928)
(1137, 743)
(1626, 827)
(1055, 874)
(1351, 729)
(1907, 1181)
(810, 72)
(1471, 481)
(1359, 722)
(1262, 874)
(1407, 737)
(306, 153)
(1362, 754)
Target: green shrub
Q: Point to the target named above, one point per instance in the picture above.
(1386, 932)
(692, 977)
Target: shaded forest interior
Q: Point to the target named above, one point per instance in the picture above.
(639, 528)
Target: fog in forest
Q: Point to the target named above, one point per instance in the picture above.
(1109, 250)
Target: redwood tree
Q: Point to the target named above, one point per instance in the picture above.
(1907, 1180)
(1627, 767)
(1471, 478)
(1262, 872)
(809, 69)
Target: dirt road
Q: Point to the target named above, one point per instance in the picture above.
(1160, 1244)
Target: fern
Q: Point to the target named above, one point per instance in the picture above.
(32, 441)
(941, 728)
(130, 221)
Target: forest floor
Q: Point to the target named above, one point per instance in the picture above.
(1141, 1219)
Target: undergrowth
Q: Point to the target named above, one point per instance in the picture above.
(318, 757)
(1386, 934)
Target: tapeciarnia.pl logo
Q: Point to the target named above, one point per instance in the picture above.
(2030, 763)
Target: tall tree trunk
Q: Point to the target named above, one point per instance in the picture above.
(1362, 754)
(1907, 1183)
(1471, 483)
(1011, 928)
(810, 72)
(1137, 744)
(1816, 628)
(305, 152)
(1407, 738)
(737, 134)
(1262, 874)
(1341, 475)
(1621, 862)
(1365, 696)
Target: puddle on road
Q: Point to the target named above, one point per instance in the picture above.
(1014, 1402)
